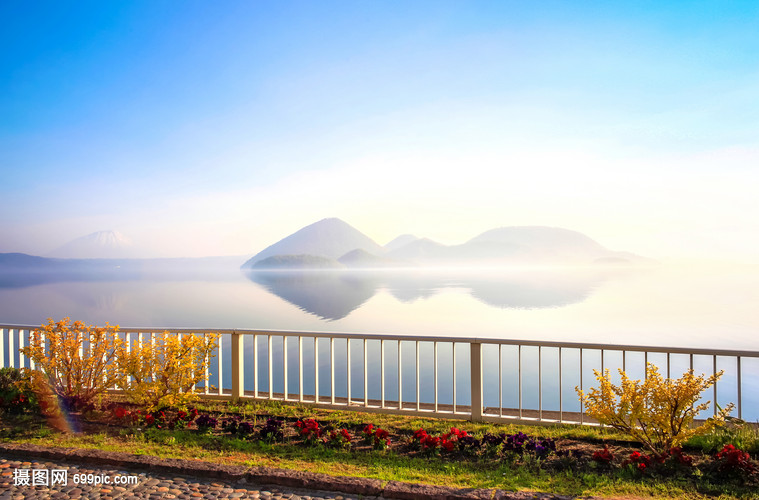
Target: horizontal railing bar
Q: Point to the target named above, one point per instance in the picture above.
(418, 338)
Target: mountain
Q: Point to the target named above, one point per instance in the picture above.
(98, 245)
(538, 245)
(533, 243)
(24, 261)
(360, 258)
(400, 241)
(421, 249)
(332, 243)
(328, 238)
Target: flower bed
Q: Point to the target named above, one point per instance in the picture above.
(518, 449)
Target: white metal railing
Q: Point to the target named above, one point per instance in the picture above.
(469, 378)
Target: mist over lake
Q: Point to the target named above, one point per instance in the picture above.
(659, 306)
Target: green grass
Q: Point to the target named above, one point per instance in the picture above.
(742, 435)
(384, 465)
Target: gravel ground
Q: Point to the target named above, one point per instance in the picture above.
(79, 482)
(29, 471)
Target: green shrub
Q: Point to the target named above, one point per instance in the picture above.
(737, 432)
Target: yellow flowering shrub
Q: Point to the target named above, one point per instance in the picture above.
(164, 373)
(657, 412)
(73, 361)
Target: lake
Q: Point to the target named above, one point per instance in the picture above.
(663, 306)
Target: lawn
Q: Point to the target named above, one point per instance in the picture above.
(568, 460)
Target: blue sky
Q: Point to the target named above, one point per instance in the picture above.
(199, 128)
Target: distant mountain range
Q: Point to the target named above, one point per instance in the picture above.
(326, 244)
(332, 243)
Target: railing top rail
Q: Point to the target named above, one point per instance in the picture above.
(428, 338)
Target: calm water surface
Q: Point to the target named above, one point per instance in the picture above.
(664, 306)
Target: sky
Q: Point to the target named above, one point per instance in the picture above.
(203, 128)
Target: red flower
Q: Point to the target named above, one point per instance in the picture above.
(681, 457)
(639, 460)
(369, 429)
(735, 459)
(457, 432)
(309, 428)
(381, 438)
(603, 456)
(430, 442)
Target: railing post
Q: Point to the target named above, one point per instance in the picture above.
(332, 370)
(11, 349)
(284, 367)
(220, 366)
(740, 389)
(300, 368)
(714, 358)
(255, 365)
(348, 365)
(453, 371)
(316, 369)
(366, 378)
(475, 363)
(400, 378)
(206, 381)
(238, 387)
(382, 375)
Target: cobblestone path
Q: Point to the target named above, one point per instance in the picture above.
(30, 479)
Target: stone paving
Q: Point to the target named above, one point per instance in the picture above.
(33, 471)
(78, 482)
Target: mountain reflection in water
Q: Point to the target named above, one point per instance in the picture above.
(333, 294)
